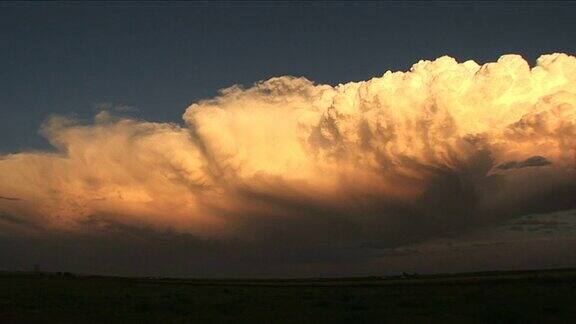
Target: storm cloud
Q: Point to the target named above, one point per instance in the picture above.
(291, 171)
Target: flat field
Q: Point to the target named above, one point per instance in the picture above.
(490, 297)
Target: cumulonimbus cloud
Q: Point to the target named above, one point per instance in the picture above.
(403, 157)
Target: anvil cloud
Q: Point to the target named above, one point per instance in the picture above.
(406, 157)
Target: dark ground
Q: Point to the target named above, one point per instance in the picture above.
(521, 297)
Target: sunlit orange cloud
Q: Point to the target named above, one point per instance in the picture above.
(286, 146)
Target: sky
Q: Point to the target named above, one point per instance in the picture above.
(65, 58)
(143, 138)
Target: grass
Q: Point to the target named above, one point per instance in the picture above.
(511, 297)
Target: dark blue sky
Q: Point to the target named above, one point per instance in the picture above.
(67, 58)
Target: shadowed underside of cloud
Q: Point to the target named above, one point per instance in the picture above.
(9, 198)
(534, 161)
(288, 171)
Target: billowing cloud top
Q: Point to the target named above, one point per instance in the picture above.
(442, 148)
